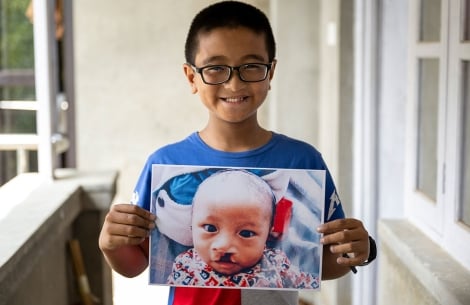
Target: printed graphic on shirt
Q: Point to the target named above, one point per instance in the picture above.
(237, 227)
(334, 203)
(135, 198)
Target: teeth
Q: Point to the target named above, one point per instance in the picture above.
(234, 99)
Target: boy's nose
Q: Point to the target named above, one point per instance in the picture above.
(235, 83)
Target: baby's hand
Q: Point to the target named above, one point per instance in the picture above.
(347, 237)
(125, 225)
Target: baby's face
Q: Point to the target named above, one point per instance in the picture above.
(230, 233)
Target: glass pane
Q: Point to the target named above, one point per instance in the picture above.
(465, 175)
(428, 127)
(17, 121)
(430, 21)
(466, 20)
(16, 35)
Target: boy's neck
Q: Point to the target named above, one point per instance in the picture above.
(238, 139)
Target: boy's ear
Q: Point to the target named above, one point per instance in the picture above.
(190, 75)
(271, 71)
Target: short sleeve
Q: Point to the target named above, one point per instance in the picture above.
(141, 194)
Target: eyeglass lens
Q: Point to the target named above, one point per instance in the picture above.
(221, 74)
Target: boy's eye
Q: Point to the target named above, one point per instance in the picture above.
(247, 233)
(209, 228)
(253, 67)
(215, 69)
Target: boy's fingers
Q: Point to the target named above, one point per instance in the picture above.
(117, 241)
(351, 261)
(339, 225)
(115, 233)
(133, 209)
(353, 253)
(127, 231)
(357, 247)
(127, 214)
(345, 236)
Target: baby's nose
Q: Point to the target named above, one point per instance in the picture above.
(223, 244)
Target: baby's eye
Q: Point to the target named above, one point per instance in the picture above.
(209, 228)
(247, 233)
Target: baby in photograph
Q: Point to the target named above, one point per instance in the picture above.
(232, 219)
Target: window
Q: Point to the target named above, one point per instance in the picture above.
(36, 128)
(465, 142)
(17, 93)
(438, 146)
(428, 110)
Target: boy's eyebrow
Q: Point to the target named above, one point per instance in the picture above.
(212, 59)
(219, 58)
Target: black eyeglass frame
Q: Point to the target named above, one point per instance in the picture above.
(231, 68)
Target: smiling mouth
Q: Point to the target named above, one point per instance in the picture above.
(235, 100)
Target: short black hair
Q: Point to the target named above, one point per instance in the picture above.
(229, 14)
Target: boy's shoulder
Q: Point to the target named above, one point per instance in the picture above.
(176, 148)
(293, 142)
(291, 145)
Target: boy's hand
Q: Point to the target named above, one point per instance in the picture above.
(125, 225)
(346, 236)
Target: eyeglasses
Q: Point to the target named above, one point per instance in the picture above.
(219, 74)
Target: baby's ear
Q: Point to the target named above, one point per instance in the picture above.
(190, 75)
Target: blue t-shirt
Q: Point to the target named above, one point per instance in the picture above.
(280, 152)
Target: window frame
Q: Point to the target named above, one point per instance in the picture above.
(55, 125)
(457, 234)
(438, 220)
(46, 67)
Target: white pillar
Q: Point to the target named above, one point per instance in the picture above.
(45, 57)
(365, 205)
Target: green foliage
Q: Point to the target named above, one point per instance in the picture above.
(16, 35)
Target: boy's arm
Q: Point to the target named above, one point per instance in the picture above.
(124, 238)
(343, 236)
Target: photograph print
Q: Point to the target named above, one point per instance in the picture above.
(236, 227)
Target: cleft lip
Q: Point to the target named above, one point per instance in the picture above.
(226, 258)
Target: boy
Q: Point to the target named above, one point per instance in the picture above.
(230, 231)
(230, 61)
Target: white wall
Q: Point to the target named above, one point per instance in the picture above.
(391, 118)
(130, 84)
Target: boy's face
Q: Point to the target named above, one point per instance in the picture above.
(234, 101)
(230, 231)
